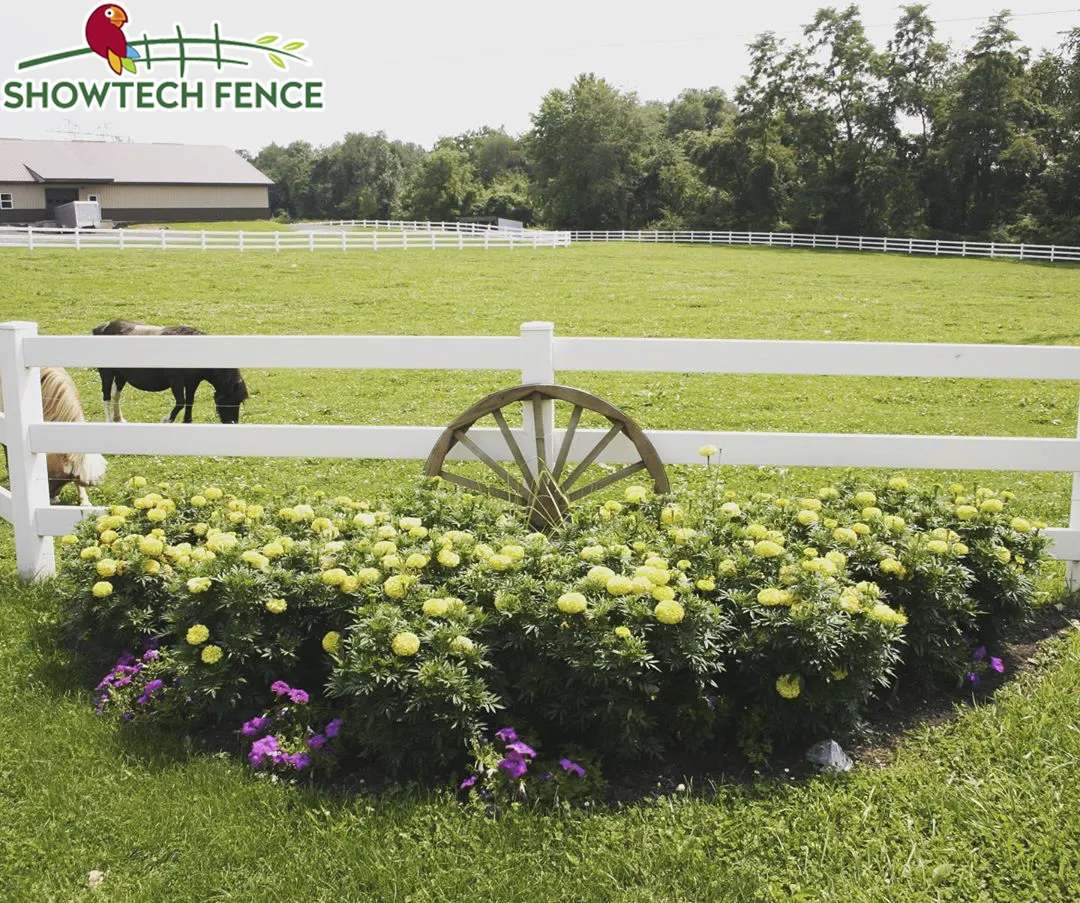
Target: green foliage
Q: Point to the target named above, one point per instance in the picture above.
(641, 625)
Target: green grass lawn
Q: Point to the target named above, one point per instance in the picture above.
(983, 808)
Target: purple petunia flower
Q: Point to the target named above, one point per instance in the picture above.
(334, 727)
(506, 734)
(996, 664)
(127, 716)
(280, 688)
(255, 726)
(298, 696)
(152, 686)
(974, 679)
(151, 655)
(300, 761)
(468, 783)
(126, 659)
(515, 768)
(979, 654)
(261, 749)
(546, 776)
(518, 750)
(316, 741)
(571, 767)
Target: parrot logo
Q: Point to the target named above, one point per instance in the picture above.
(105, 36)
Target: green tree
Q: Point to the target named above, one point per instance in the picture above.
(445, 186)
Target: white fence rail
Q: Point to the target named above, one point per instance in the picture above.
(538, 354)
(342, 240)
(397, 225)
(932, 246)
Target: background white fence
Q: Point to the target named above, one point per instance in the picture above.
(933, 246)
(539, 355)
(313, 240)
(397, 225)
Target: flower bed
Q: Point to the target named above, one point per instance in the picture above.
(419, 626)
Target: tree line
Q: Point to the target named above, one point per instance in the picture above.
(824, 134)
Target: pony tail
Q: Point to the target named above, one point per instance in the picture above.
(88, 470)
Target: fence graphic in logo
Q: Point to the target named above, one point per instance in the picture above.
(127, 55)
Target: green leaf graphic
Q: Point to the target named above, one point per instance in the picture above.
(128, 64)
(267, 39)
(293, 45)
(277, 61)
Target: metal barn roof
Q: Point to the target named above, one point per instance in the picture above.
(105, 161)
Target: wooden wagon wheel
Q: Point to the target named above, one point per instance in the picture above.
(548, 490)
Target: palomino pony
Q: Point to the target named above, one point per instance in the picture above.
(60, 404)
(229, 388)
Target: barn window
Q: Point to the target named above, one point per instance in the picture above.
(7, 202)
(92, 198)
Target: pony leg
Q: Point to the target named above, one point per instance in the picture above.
(84, 498)
(106, 392)
(118, 415)
(178, 396)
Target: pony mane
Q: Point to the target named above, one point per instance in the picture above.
(127, 327)
(59, 397)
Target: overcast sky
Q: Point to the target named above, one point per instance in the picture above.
(418, 70)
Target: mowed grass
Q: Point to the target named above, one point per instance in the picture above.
(983, 808)
(247, 225)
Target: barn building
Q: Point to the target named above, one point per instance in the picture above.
(133, 183)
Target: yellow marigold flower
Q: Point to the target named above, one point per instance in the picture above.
(642, 585)
(331, 642)
(662, 593)
(898, 483)
(101, 589)
(273, 550)
(197, 634)
(1002, 554)
(302, 512)
(416, 561)
(405, 644)
(871, 513)
(482, 551)
(828, 493)
(106, 567)
(276, 606)
(768, 549)
(593, 553)
(992, 506)
(513, 552)
(789, 573)
(151, 567)
(221, 542)
(365, 519)
(210, 655)
(864, 499)
(237, 517)
(708, 451)
(849, 602)
(845, 535)
(462, 645)
(938, 547)
(774, 596)
(730, 509)
(69, 540)
(156, 515)
(390, 562)
(198, 584)
(669, 612)
(137, 482)
(396, 586)
(959, 548)
(887, 615)
(841, 673)
(333, 577)
(635, 494)
(368, 575)
(619, 585)
(599, 576)
(500, 562)
(108, 537)
(682, 564)
(727, 568)
(891, 566)
(612, 507)
(385, 532)
(410, 523)
(385, 547)
(572, 603)
(255, 559)
(436, 608)
(757, 531)
(212, 493)
(810, 504)
(448, 558)
(324, 527)
(967, 512)
(151, 546)
(1021, 525)
(672, 514)
(789, 685)
(807, 517)
(623, 633)
(860, 528)
(419, 532)
(655, 561)
(782, 503)
(706, 584)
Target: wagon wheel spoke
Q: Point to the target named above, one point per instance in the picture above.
(587, 461)
(541, 435)
(505, 494)
(568, 440)
(515, 449)
(606, 481)
(500, 471)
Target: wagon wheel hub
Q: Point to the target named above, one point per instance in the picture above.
(544, 484)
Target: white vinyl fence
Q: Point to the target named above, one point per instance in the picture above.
(34, 239)
(539, 355)
(932, 246)
(397, 225)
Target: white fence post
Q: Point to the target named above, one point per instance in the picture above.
(241, 242)
(30, 237)
(537, 367)
(1072, 568)
(28, 473)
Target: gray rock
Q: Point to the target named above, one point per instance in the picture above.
(829, 755)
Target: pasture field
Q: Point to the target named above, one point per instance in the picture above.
(981, 808)
(258, 225)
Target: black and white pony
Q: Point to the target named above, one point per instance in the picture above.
(229, 388)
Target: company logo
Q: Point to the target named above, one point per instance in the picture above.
(168, 63)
